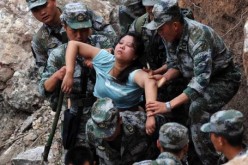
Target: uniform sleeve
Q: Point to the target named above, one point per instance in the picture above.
(51, 68)
(202, 54)
(101, 41)
(171, 59)
(39, 53)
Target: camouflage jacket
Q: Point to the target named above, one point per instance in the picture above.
(154, 53)
(199, 55)
(121, 17)
(48, 38)
(164, 158)
(133, 145)
(56, 60)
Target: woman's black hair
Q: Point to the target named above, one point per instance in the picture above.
(139, 50)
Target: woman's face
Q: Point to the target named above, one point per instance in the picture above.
(125, 49)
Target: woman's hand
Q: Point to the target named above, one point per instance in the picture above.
(59, 74)
(150, 125)
(155, 107)
(67, 83)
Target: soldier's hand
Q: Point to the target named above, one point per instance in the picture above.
(150, 125)
(155, 107)
(59, 75)
(161, 82)
(157, 77)
(67, 83)
(88, 63)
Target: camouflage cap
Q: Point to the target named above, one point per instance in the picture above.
(149, 2)
(35, 3)
(163, 11)
(226, 122)
(173, 136)
(76, 15)
(104, 117)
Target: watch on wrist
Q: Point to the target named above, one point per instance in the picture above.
(168, 106)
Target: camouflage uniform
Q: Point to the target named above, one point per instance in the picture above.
(123, 15)
(202, 58)
(56, 60)
(171, 136)
(154, 52)
(50, 37)
(226, 122)
(130, 145)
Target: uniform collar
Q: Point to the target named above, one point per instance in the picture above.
(184, 38)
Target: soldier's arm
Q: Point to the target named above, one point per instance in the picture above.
(39, 53)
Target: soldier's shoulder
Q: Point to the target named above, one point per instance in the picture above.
(100, 40)
(168, 158)
(41, 33)
(59, 50)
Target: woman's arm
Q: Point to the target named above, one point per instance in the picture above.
(150, 87)
(75, 48)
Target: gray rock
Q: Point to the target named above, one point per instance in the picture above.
(29, 157)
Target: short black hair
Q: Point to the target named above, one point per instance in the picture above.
(236, 140)
(79, 155)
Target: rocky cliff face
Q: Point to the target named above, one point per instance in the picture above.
(26, 118)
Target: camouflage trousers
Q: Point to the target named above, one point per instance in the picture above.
(221, 89)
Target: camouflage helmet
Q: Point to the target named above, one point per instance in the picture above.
(173, 136)
(163, 11)
(149, 2)
(35, 3)
(76, 16)
(104, 117)
(225, 122)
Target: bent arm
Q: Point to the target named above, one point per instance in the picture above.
(150, 87)
(75, 48)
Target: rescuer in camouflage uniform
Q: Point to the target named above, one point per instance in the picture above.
(172, 143)
(123, 15)
(154, 52)
(226, 129)
(52, 34)
(77, 23)
(196, 52)
(118, 137)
